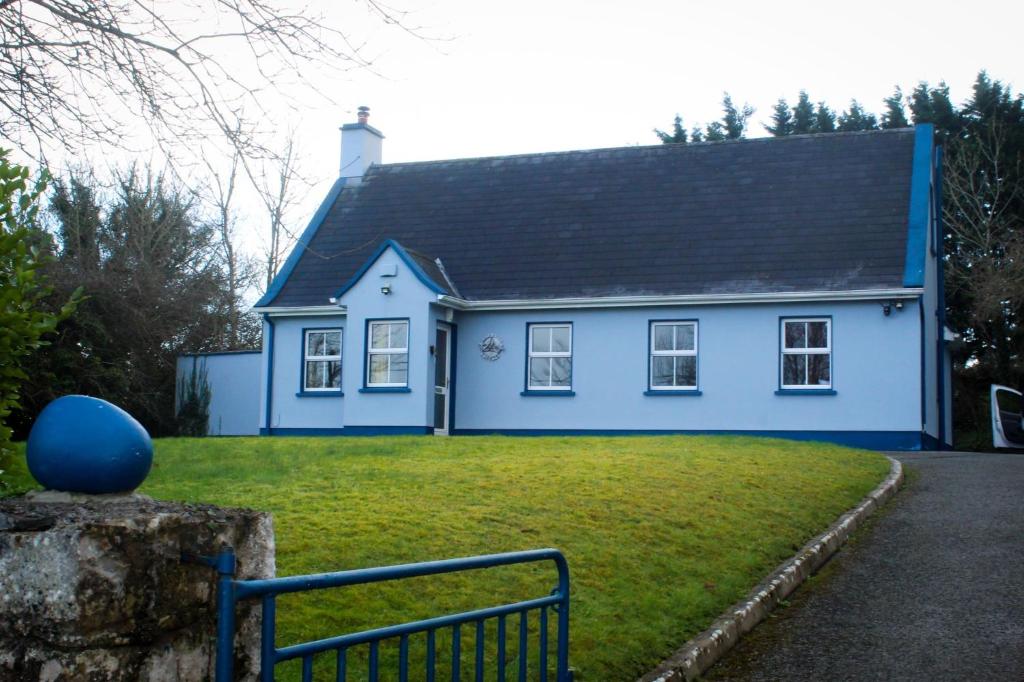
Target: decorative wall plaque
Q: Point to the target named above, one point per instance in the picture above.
(491, 347)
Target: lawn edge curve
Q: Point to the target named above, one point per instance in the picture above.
(700, 653)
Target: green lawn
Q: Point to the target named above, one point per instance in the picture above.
(661, 533)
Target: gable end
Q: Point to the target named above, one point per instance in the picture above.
(409, 261)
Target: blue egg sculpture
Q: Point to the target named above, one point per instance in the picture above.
(86, 445)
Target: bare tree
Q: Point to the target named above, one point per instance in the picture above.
(75, 74)
(279, 185)
(985, 268)
(241, 270)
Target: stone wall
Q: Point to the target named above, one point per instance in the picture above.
(92, 587)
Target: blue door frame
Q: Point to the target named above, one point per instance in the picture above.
(231, 591)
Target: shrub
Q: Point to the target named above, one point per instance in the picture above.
(194, 402)
(24, 319)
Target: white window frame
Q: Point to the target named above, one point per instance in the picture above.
(805, 351)
(307, 358)
(530, 354)
(371, 351)
(673, 353)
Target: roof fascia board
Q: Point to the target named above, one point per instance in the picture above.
(920, 186)
(406, 258)
(309, 310)
(699, 299)
(206, 354)
(300, 246)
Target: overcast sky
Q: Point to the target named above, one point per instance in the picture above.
(530, 76)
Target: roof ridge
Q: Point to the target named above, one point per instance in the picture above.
(668, 148)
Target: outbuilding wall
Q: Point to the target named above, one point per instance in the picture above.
(235, 388)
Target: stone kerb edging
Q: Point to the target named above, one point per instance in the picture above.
(701, 652)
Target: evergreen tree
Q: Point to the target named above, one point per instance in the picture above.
(734, 121)
(157, 289)
(824, 119)
(894, 116)
(803, 115)
(782, 119)
(732, 126)
(920, 103)
(992, 101)
(932, 105)
(678, 134)
(76, 207)
(80, 359)
(715, 132)
(856, 118)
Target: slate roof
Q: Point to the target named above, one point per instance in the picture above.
(434, 269)
(803, 213)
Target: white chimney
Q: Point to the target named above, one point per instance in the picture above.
(360, 146)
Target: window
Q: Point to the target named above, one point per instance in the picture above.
(807, 353)
(387, 361)
(322, 360)
(549, 361)
(673, 362)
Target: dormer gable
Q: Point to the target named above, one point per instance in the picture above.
(391, 267)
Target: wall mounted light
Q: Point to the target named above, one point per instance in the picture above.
(889, 305)
(386, 290)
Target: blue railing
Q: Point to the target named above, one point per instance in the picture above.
(231, 591)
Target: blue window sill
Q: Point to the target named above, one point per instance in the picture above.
(805, 391)
(319, 394)
(385, 389)
(548, 394)
(691, 391)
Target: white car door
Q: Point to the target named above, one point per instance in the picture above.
(1007, 417)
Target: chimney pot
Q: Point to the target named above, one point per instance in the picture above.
(364, 114)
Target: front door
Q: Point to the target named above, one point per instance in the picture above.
(442, 378)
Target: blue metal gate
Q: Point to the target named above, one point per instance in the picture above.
(231, 591)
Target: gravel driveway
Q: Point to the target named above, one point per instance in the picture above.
(932, 589)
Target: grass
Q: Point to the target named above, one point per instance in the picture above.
(661, 533)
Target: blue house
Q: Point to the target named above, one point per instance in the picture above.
(786, 286)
